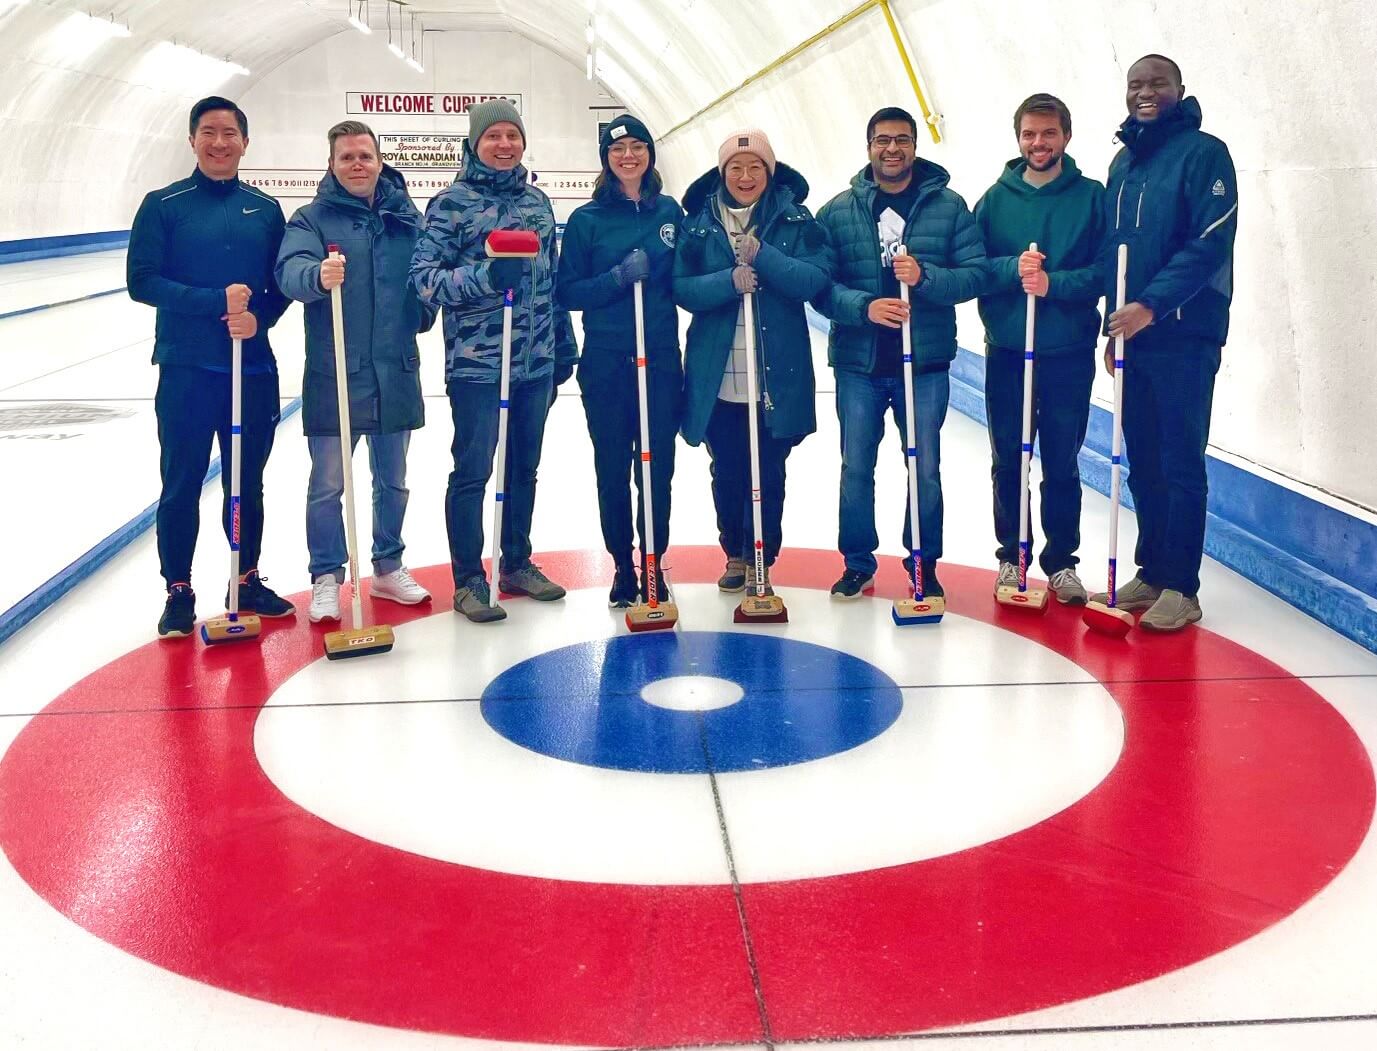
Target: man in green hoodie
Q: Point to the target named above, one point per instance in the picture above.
(1041, 198)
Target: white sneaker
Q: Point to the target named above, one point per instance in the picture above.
(399, 586)
(1008, 576)
(324, 599)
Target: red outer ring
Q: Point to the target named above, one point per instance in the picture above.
(148, 821)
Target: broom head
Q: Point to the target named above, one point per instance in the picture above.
(761, 609)
(513, 244)
(919, 610)
(358, 642)
(1033, 599)
(237, 627)
(1107, 620)
(644, 617)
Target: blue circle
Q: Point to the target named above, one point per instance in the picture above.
(582, 703)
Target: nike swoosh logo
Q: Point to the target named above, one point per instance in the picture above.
(250, 211)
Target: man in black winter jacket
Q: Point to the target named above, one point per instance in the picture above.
(1172, 198)
(202, 251)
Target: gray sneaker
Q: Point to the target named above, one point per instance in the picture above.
(1068, 588)
(733, 578)
(1172, 612)
(531, 582)
(1008, 576)
(472, 600)
(750, 580)
(1134, 596)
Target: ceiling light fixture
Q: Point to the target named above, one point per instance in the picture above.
(390, 45)
(413, 61)
(360, 21)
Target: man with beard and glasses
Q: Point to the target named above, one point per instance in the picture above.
(1041, 197)
(896, 199)
(1172, 198)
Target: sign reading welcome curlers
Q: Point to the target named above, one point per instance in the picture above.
(420, 104)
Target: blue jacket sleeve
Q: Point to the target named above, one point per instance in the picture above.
(696, 291)
(268, 303)
(144, 270)
(298, 260)
(1210, 187)
(964, 275)
(837, 301)
(436, 273)
(578, 288)
(803, 274)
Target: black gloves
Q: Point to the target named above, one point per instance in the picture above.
(635, 267)
(506, 272)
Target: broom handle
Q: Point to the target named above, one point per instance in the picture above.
(748, 307)
(1025, 497)
(652, 583)
(500, 467)
(346, 443)
(236, 442)
(911, 446)
(1116, 442)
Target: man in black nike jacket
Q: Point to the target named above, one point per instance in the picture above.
(202, 252)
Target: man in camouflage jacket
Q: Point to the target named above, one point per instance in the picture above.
(450, 269)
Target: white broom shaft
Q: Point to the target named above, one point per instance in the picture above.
(911, 445)
(500, 466)
(748, 307)
(1026, 458)
(1116, 441)
(236, 442)
(647, 501)
(346, 447)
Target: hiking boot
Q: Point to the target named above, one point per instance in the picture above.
(398, 586)
(532, 583)
(1171, 612)
(1067, 586)
(624, 587)
(1134, 596)
(256, 597)
(851, 583)
(661, 587)
(932, 587)
(750, 580)
(472, 600)
(1008, 576)
(179, 615)
(733, 578)
(324, 598)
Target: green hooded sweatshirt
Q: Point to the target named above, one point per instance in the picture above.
(1065, 219)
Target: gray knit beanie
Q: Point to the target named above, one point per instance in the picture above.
(484, 115)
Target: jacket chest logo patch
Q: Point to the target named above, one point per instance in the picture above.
(1218, 188)
(667, 234)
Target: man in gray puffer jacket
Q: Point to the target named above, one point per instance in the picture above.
(363, 207)
(450, 268)
(897, 199)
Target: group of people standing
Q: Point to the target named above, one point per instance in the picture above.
(219, 262)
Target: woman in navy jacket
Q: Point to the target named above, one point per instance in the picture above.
(624, 235)
(747, 231)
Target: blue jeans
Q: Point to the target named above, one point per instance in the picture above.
(1061, 410)
(474, 409)
(862, 402)
(325, 519)
(1168, 395)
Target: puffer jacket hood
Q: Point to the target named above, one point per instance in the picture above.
(393, 197)
(786, 180)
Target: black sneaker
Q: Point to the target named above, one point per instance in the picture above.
(851, 584)
(256, 597)
(623, 593)
(932, 587)
(179, 615)
(661, 587)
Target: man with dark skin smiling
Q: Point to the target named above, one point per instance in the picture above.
(202, 251)
(1172, 197)
(897, 199)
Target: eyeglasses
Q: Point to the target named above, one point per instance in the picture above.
(884, 142)
(636, 149)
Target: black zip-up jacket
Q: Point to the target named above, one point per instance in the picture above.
(599, 235)
(189, 242)
(1173, 198)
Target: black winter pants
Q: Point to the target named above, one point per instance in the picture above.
(192, 407)
(611, 404)
(728, 439)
